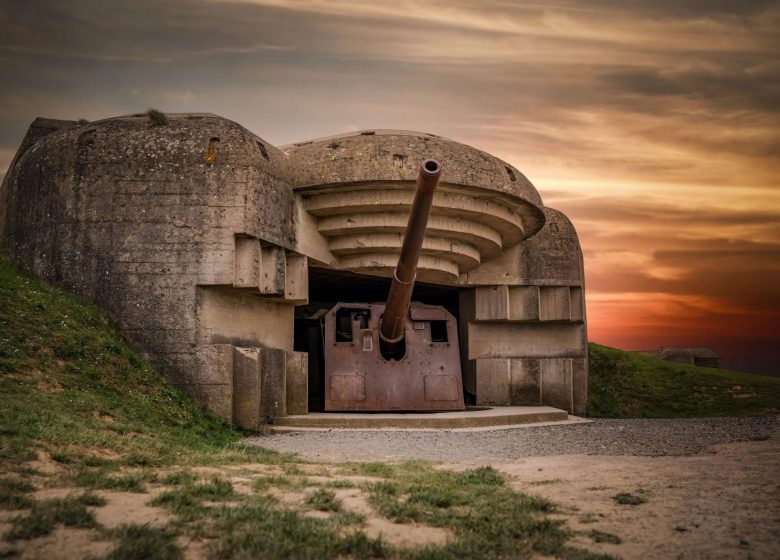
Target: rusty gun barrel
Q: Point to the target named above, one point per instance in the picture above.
(391, 328)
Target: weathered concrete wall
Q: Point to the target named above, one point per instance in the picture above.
(196, 237)
(523, 328)
(702, 357)
(359, 188)
(144, 221)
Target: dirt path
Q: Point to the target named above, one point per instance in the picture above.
(721, 504)
(703, 498)
(701, 489)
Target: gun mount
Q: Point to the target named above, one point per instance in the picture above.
(398, 355)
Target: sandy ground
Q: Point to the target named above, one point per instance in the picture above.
(711, 488)
(704, 499)
(123, 508)
(721, 504)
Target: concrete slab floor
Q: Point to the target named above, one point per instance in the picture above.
(490, 418)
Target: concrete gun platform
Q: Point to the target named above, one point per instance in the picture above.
(476, 417)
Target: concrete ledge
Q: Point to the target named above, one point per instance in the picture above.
(492, 417)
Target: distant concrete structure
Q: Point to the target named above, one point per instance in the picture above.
(218, 254)
(702, 357)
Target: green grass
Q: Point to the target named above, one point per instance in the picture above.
(46, 515)
(142, 541)
(291, 483)
(102, 479)
(323, 500)
(347, 518)
(628, 499)
(489, 519)
(260, 531)
(628, 385)
(93, 500)
(338, 484)
(68, 377)
(374, 469)
(181, 503)
(186, 498)
(213, 489)
(178, 478)
(482, 476)
(13, 493)
(263, 483)
(604, 537)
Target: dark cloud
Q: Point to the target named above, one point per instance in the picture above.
(124, 30)
(746, 278)
(743, 281)
(639, 210)
(727, 86)
(689, 9)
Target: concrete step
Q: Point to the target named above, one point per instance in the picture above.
(470, 418)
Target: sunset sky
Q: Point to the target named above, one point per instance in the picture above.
(654, 125)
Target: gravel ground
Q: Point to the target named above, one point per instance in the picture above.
(657, 437)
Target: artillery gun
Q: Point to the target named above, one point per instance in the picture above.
(398, 355)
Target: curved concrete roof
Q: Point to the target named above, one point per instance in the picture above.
(393, 155)
(360, 187)
(357, 186)
(356, 157)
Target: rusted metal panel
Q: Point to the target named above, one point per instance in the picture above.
(359, 378)
(428, 313)
(441, 387)
(347, 388)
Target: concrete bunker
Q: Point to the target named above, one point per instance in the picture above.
(219, 259)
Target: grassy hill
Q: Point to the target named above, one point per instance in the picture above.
(67, 376)
(627, 385)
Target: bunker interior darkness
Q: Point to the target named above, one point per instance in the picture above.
(218, 255)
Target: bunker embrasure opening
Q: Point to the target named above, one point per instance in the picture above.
(354, 332)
